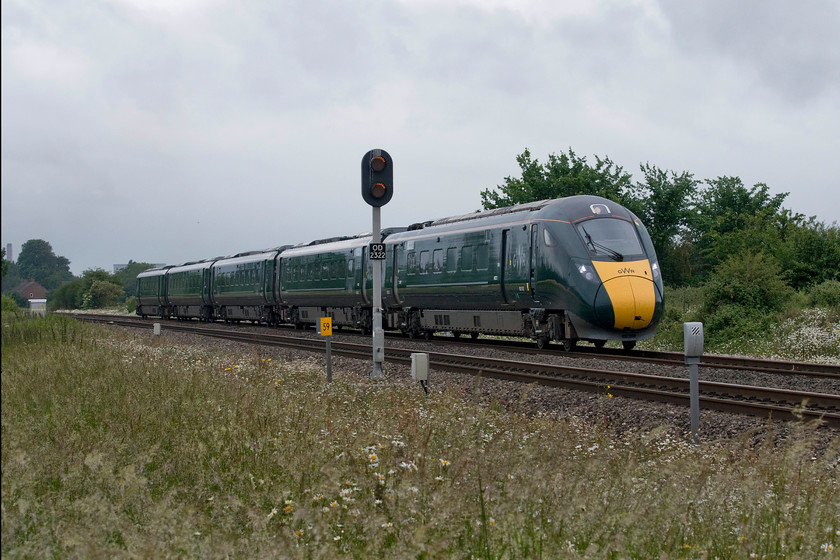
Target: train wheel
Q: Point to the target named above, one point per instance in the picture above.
(428, 335)
(474, 335)
(629, 344)
(599, 343)
(456, 334)
(542, 342)
(568, 344)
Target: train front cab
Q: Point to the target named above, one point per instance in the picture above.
(619, 281)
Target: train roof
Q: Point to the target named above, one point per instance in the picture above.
(573, 207)
(247, 257)
(326, 245)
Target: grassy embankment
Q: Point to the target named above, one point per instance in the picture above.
(114, 445)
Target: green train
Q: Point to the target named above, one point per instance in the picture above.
(563, 270)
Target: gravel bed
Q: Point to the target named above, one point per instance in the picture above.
(618, 413)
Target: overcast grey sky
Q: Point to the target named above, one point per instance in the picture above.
(167, 131)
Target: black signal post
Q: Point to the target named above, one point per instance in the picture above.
(377, 190)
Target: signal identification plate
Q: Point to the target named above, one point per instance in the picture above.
(377, 251)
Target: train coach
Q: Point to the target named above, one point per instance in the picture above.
(578, 268)
(564, 270)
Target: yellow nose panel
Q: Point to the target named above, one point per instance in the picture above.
(631, 290)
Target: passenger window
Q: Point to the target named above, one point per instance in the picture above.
(437, 260)
(482, 258)
(451, 259)
(411, 262)
(424, 262)
(467, 258)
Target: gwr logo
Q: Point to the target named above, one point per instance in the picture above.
(626, 271)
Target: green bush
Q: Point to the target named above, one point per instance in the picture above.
(751, 281)
(826, 294)
(10, 305)
(131, 304)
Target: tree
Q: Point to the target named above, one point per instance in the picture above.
(128, 276)
(5, 263)
(563, 175)
(95, 289)
(664, 201)
(730, 218)
(37, 261)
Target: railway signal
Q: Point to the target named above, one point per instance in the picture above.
(377, 178)
(377, 190)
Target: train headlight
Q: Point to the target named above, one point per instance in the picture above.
(654, 269)
(588, 272)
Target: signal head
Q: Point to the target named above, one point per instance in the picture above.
(377, 177)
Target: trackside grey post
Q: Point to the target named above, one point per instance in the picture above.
(420, 369)
(693, 339)
(329, 361)
(378, 333)
(157, 329)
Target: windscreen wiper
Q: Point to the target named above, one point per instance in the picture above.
(595, 246)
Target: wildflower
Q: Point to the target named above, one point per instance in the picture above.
(827, 547)
(333, 504)
(197, 534)
(337, 538)
(439, 478)
(388, 524)
(287, 509)
(444, 463)
(272, 513)
(492, 522)
(299, 533)
(372, 457)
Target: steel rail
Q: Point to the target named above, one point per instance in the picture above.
(782, 367)
(743, 399)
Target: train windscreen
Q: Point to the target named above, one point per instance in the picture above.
(611, 238)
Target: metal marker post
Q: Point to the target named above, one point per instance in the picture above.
(694, 388)
(693, 342)
(378, 333)
(325, 328)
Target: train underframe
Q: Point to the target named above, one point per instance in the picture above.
(541, 325)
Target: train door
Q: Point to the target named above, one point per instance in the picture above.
(504, 267)
(367, 276)
(516, 265)
(395, 273)
(532, 262)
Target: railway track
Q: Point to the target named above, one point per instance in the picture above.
(777, 403)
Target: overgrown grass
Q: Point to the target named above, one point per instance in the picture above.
(114, 446)
(802, 332)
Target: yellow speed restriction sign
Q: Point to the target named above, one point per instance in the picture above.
(326, 326)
